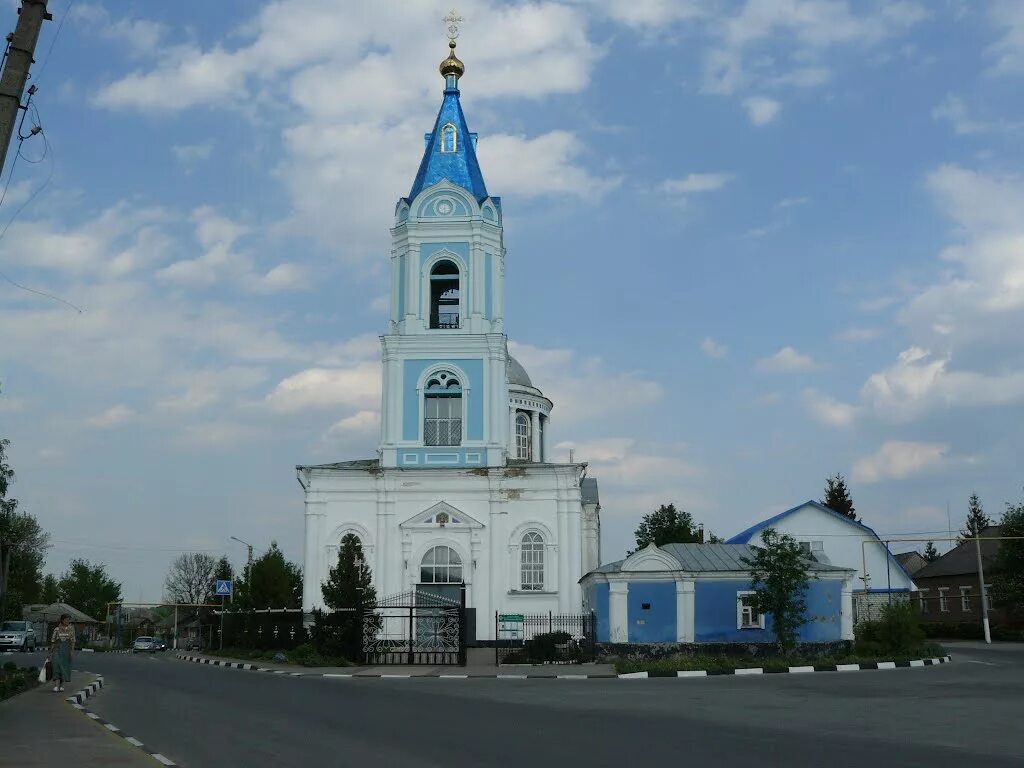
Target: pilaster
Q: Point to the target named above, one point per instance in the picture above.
(618, 611)
(685, 605)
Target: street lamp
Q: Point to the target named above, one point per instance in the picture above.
(248, 564)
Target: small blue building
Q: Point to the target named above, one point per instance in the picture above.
(700, 593)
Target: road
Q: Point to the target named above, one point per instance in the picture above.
(964, 713)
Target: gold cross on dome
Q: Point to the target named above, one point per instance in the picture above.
(452, 20)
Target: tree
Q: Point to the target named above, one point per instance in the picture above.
(931, 554)
(977, 520)
(779, 575)
(666, 525)
(88, 588)
(191, 578)
(349, 585)
(1008, 567)
(49, 592)
(837, 496)
(273, 582)
(713, 539)
(23, 545)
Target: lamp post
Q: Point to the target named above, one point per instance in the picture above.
(248, 564)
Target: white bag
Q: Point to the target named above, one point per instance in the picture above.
(42, 674)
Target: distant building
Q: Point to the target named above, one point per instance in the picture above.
(912, 562)
(949, 590)
(699, 593)
(46, 617)
(834, 539)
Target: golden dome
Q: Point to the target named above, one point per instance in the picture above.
(452, 65)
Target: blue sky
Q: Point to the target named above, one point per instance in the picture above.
(751, 243)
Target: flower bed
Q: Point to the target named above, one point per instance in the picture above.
(15, 680)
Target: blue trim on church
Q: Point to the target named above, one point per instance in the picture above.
(474, 397)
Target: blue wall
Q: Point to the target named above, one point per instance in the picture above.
(657, 623)
(596, 597)
(715, 613)
(411, 373)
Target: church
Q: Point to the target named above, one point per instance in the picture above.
(464, 489)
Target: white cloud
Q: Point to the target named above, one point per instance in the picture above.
(1008, 51)
(695, 183)
(791, 202)
(761, 110)
(649, 14)
(827, 410)
(786, 360)
(112, 417)
(361, 422)
(201, 389)
(621, 461)
(325, 388)
(192, 154)
(138, 36)
(544, 165)
(953, 110)
(713, 349)
(569, 382)
(898, 460)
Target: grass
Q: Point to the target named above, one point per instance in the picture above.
(15, 680)
(303, 655)
(720, 664)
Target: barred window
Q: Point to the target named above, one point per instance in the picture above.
(532, 562)
(449, 138)
(747, 616)
(965, 599)
(441, 565)
(524, 440)
(442, 411)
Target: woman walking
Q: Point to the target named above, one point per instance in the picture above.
(62, 645)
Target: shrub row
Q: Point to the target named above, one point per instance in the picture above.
(14, 680)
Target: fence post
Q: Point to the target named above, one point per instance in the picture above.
(497, 641)
(550, 627)
(412, 658)
(463, 629)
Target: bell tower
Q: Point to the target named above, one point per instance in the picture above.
(445, 356)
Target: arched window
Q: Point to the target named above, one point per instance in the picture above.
(524, 441)
(442, 410)
(441, 565)
(444, 295)
(532, 562)
(449, 138)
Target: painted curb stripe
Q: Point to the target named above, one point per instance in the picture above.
(91, 690)
(624, 676)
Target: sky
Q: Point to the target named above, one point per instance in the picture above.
(751, 243)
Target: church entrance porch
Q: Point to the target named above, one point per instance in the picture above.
(418, 627)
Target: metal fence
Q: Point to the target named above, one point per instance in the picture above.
(552, 638)
(267, 630)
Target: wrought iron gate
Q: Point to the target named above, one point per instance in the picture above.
(415, 628)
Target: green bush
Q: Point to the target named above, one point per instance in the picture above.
(10, 666)
(542, 648)
(897, 632)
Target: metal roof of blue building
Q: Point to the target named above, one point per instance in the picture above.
(459, 167)
(711, 558)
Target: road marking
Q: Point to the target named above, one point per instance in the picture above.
(571, 677)
(330, 674)
(986, 663)
(511, 677)
(454, 677)
(396, 676)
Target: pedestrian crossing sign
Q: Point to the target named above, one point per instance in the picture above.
(224, 587)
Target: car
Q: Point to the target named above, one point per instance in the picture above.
(159, 644)
(143, 643)
(17, 635)
(194, 644)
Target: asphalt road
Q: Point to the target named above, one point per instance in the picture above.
(965, 713)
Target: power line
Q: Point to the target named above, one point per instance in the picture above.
(56, 36)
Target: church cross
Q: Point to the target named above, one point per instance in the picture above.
(452, 20)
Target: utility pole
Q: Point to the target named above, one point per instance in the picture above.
(21, 46)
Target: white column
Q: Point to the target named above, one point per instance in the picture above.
(413, 286)
(535, 433)
(846, 625)
(313, 577)
(618, 611)
(545, 444)
(684, 611)
(565, 546)
(575, 561)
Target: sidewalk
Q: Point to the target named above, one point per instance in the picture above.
(474, 668)
(39, 728)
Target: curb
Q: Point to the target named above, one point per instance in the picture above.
(78, 702)
(875, 665)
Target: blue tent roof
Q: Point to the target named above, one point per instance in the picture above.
(459, 167)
